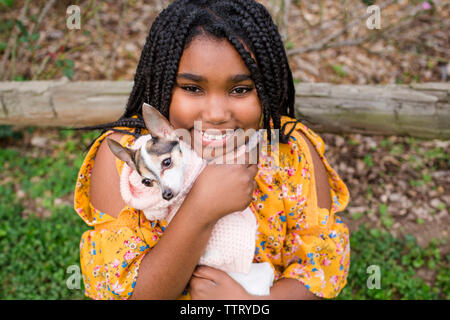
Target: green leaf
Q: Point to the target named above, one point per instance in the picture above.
(68, 69)
(339, 70)
(68, 72)
(368, 160)
(418, 263)
(69, 63)
(357, 215)
(8, 3)
(34, 36)
(23, 30)
(426, 178)
(375, 233)
(387, 221)
(383, 209)
(19, 78)
(289, 45)
(368, 2)
(405, 260)
(431, 264)
(23, 39)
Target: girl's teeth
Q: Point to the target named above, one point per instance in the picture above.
(214, 137)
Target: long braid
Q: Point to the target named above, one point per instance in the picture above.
(262, 48)
(263, 44)
(251, 65)
(176, 50)
(288, 95)
(133, 106)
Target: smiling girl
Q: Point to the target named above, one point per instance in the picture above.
(221, 63)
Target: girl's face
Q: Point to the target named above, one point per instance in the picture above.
(213, 86)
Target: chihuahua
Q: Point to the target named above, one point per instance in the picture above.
(160, 160)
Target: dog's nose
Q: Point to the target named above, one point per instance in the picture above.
(167, 194)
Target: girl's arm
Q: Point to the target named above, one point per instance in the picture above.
(288, 289)
(166, 269)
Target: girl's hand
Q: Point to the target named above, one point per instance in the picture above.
(208, 283)
(222, 189)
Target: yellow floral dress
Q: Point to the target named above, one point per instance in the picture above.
(300, 240)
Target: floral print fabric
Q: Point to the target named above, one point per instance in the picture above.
(300, 240)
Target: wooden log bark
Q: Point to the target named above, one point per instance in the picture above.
(420, 110)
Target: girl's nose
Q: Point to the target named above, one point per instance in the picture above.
(216, 111)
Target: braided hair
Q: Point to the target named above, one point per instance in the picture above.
(238, 21)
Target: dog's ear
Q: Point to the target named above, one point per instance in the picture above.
(156, 123)
(123, 153)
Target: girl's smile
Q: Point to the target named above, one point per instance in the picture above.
(213, 137)
(215, 88)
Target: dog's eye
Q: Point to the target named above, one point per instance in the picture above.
(147, 182)
(166, 162)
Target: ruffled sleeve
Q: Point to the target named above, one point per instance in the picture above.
(316, 249)
(111, 253)
(110, 260)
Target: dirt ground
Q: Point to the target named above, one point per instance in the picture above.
(388, 180)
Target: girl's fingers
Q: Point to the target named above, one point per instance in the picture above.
(208, 273)
(198, 283)
(253, 169)
(254, 186)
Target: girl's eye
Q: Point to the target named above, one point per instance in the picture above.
(147, 182)
(192, 89)
(166, 162)
(242, 90)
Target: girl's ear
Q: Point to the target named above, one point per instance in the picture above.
(156, 123)
(123, 153)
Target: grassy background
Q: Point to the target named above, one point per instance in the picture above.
(36, 252)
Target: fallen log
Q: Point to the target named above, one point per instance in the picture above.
(420, 110)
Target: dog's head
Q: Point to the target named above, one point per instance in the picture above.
(159, 160)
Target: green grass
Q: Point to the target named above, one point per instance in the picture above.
(35, 253)
(399, 261)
